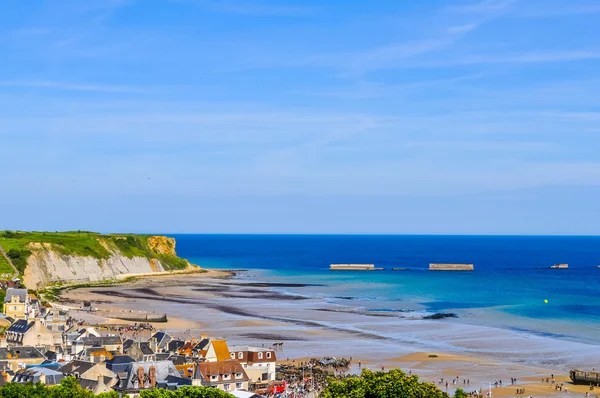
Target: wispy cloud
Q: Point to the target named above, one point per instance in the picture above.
(462, 28)
(72, 86)
(251, 8)
(483, 7)
(517, 58)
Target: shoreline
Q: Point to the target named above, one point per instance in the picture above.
(243, 310)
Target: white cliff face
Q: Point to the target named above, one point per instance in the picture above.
(46, 266)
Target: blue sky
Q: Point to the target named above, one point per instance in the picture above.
(475, 116)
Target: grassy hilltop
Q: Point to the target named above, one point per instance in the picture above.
(19, 245)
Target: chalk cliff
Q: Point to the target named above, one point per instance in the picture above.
(48, 263)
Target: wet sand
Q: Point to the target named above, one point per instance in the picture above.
(257, 313)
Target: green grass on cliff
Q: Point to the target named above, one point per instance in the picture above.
(19, 246)
(5, 267)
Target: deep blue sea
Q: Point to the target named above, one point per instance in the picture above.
(507, 289)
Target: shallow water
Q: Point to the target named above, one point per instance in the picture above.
(505, 292)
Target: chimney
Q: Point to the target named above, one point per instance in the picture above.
(153, 345)
(101, 386)
(152, 376)
(140, 376)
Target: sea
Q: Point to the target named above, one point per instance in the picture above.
(512, 286)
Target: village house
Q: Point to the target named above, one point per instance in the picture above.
(259, 363)
(119, 363)
(139, 351)
(37, 374)
(100, 385)
(17, 303)
(34, 305)
(146, 375)
(16, 358)
(57, 321)
(112, 344)
(161, 339)
(217, 351)
(96, 354)
(85, 370)
(8, 284)
(227, 375)
(31, 333)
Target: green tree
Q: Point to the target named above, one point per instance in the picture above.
(69, 388)
(185, 392)
(460, 393)
(14, 254)
(110, 394)
(393, 384)
(15, 390)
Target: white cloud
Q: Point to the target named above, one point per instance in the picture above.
(462, 28)
(72, 86)
(250, 7)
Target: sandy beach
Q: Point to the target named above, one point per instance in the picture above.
(247, 311)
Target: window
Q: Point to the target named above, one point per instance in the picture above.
(238, 386)
(214, 377)
(238, 375)
(226, 387)
(268, 355)
(260, 355)
(226, 376)
(240, 355)
(232, 355)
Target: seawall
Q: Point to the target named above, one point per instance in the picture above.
(451, 267)
(353, 267)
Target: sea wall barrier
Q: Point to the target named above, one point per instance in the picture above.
(354, 267)
(451, 267)
(133, 317)
(560, 266)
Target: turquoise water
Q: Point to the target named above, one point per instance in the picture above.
(507, 289)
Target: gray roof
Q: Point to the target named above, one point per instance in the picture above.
(20, 352)
(10, 292)
(76, 366)
(162, 338)
(91, 385)
(119, 363)
(33, 375)
(164, 369)
(20, 326)
(102, 340)
(202, 344)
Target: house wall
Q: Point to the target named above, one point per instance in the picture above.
(15, 309)
(13, 363)
(255, 372)
(38, 335)
(98, 370)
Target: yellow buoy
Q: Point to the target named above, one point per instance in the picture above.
(546, 301)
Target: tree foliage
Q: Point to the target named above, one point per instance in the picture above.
(460, 393)
(70, 388)
(186, 392)
(393, 384)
